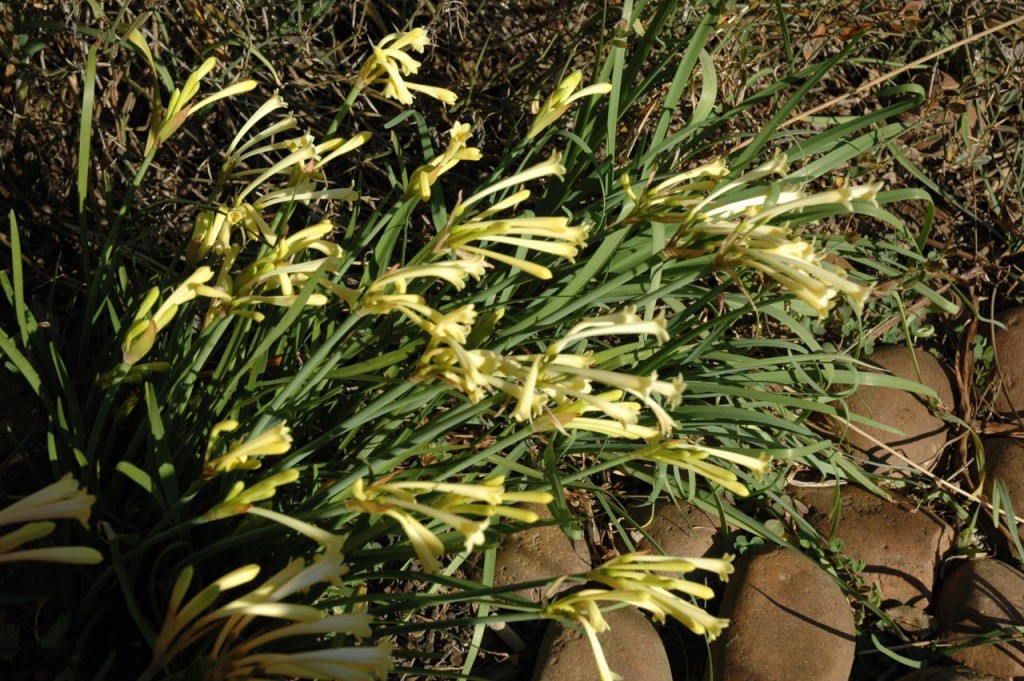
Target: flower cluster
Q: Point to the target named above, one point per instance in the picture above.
(424, 177)
(398, 500)
(752, 228)
(466, 226)
(390, 62)
(180, 105)
(633, 579)
(277, 276)
(62, 499)
(559, 101)
(142, 332)
(694, 458)
(243, 455)
(567, 380)
(390, 293)
(232, 655)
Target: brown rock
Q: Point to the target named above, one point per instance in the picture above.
(789, 620)
(1004, 460)
(631, 647)
(948, 674)
(922, 434)
(675, 530)
(979, 597)
(900, 546)
(1009, 378)
(538, 553)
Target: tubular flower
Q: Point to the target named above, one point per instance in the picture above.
(300, 160)
(670, 200)
(302, 163)
(389, 293)
(144, 327)
(241, 455)
(625, 322)
(796, 266)
(179, 108)
(632, 579)
(551, 166)
(558, 102)
(390, 62)
(62, 499)
(551, 235)
(567, 417)
(455, 272)
(236, 152)
(219, 633)
(275, 278)
(398, 500)
(753, 229)
(694, 458)
(424, 177)
(535, 380)
(240, 499)
(526, 232)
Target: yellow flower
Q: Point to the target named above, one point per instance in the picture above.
(398, 500)
(179, 108)
(797, 267)
(335, 663)
(275, 278)
(236, 150)
(693, 457)
(633, 579)
(331, 542)
(141, 334)
(240, 499)
(62, 499)
(534, 380)
(564, 241)
(588, 615)
(76, 555)
(671, 200)
(625, 322)
(642, 387)
(551, 235)
(558, 102)
(241, 455)
(455, 272)
(424, 177)
(298, 157)
(231, 652)
(551, 166)
(562, 421)
(742, 231)
(390, 62)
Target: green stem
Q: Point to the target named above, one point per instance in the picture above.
(346, 106)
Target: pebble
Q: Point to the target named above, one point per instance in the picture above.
(979, 597)
(1008, 379)
(901, 546)
(538, 553)
(923, 435)
(789, 620)
(631, 647)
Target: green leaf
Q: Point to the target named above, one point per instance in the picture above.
(136, 475)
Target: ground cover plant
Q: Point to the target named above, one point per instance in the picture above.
(307, 359)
